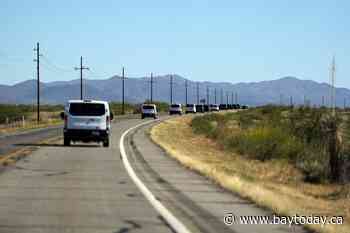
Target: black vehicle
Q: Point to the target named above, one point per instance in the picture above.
(244, 107)
(222, 106)
(206, 108)
(200, 108)
(236, 106)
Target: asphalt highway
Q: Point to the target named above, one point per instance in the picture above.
(86, 188)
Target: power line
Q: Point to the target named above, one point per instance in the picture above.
(208, 95)
(123, 94)
(58, 68)
(97, 75)
(151, 88)
(186, 91)
(215, 95)
(37, 60)
(81, 68)
(332, 86)
(197, 92)
(171, 89)
(222, 96)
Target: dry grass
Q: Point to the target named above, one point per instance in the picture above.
(274, 184)
(47, 119)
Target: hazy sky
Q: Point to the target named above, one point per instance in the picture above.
(235, 41)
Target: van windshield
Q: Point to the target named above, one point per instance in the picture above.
(87, 109)
(175, 105)
(189, 105)
(148, 107)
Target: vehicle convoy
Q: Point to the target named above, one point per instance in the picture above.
(214, 107)
(149, 110)
(175, 109)
(191, 108)
(87, 121)
(199, 108)
(223, 107)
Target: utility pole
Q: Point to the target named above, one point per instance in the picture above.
(37, 60)
(236, 98)
(231, 97)
(186, 85)
(222, 96)
(291, 101)
(215, 95)
(323, 101)
(151, 87)
(197, 92)
(81, 68)
(171, 89)
(226, 98)
(281, 99)
(207, 95)
(123, 92)
(332, 86)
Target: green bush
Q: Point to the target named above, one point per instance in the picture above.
(206, 124)
(313, 162)
(264, 143)
(307, 137)
(117, 108)
(14, 112)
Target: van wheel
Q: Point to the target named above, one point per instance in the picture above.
(106, 143)
(66, 141)
(142, 116)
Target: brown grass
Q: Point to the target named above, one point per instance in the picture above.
(275, 184)
(47, 119)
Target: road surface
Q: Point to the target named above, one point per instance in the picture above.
(17, 141)
(85, 188)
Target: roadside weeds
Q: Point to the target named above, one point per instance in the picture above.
(274, 185)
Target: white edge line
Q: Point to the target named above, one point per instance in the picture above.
(178, 226)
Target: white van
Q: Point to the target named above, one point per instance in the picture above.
(214, 108)
(149, 110)
(191, 108)
(175, 109)
(86, 121)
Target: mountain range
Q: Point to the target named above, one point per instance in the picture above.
(137, 90)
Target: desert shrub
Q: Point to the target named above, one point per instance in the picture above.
(313, 162)
(206, 124)
(264, 143)
(14, 112)
(307, 137)
(117, 108)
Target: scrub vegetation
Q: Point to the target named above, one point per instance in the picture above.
(284, 171)
(311, 139)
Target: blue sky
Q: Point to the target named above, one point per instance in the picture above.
(234, 41)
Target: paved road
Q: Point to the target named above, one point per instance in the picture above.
(85, 188)
(20, 140)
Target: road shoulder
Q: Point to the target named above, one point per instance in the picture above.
(196, 200)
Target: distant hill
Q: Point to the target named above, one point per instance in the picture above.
(138, 89)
